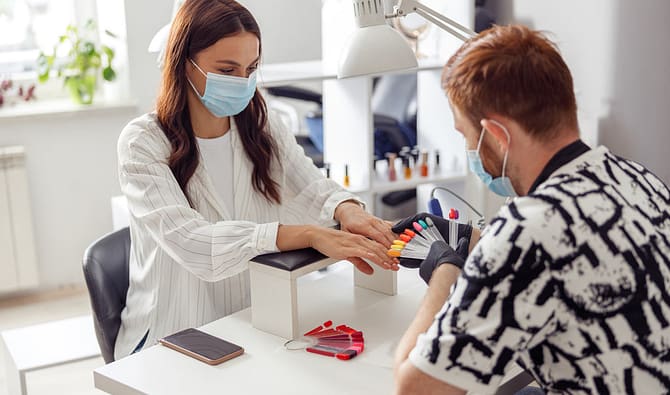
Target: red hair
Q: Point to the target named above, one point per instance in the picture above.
(514, 72)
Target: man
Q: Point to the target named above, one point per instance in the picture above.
(571, 279)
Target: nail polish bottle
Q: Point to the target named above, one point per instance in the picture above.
(407, 168)
(391, 163)
(346, 176)
(326, 167)
(424, 163)
(416, 152)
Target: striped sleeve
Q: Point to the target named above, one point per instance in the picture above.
(211, 251)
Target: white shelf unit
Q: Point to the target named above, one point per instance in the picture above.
(288, 73)
(347, 112)
(386, 186)
(292, 73)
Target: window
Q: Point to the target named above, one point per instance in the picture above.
(28, 26)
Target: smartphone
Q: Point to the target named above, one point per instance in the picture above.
(202, 346)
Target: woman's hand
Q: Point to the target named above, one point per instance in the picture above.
(344, 245)
(354, 219)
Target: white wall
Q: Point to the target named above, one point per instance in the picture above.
(618, 54)
(637, 124)
(143, 20)
(291, 29)
(291, 32)
(71, 162)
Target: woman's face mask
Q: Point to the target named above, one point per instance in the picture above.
(226, 95)
(501, 185)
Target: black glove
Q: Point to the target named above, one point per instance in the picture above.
(442, 225)
(441, 253)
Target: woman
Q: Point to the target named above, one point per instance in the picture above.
(212, 181)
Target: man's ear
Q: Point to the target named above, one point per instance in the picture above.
(498, 132)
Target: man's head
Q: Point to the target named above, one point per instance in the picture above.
(514, 72)
(516, 77)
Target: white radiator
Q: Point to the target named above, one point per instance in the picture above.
(18, 261)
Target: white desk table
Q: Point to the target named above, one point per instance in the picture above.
(267, 367)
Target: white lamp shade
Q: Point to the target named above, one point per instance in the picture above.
(159, 41)
(375, 50)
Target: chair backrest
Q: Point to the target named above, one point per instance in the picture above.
(106, 273)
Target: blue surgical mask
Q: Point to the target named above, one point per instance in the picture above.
(226, 95)
(501, 185)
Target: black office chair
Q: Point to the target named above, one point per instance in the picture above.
(106, 273)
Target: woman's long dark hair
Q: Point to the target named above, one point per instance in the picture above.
(198, 25)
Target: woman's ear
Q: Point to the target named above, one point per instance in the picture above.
(498, 131)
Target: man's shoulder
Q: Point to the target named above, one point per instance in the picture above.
(555, 200)
(528, 211)
(597, 168)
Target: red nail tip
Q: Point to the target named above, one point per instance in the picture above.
(342, 341)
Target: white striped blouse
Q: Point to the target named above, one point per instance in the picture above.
(188, 266)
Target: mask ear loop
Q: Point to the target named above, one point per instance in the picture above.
(197, 67)
(191, 82)
(194, 89)
(481, 138)
(505, 159)
(509, 140)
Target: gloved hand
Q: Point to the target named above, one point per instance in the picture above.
(441, 253)
(442, 225)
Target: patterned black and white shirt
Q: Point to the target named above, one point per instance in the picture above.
(571, 281)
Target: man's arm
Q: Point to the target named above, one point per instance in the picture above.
(409, 379)
(438, 291)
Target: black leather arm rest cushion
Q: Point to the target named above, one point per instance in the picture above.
(290, 260)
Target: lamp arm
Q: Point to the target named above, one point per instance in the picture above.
(405, 7)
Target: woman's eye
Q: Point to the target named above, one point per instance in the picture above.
(226, 71)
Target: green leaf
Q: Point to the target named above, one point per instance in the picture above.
(42, 59)
(43, 67)
(90, 24)
(43, 77)
(108, 74)
(111, 34)
(108, 51)
(89, 49)
(95, 61)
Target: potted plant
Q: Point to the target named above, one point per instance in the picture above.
(81, 65)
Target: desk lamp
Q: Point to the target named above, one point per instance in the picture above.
(375, 48)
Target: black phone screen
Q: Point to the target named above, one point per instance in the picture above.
(202, 343)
